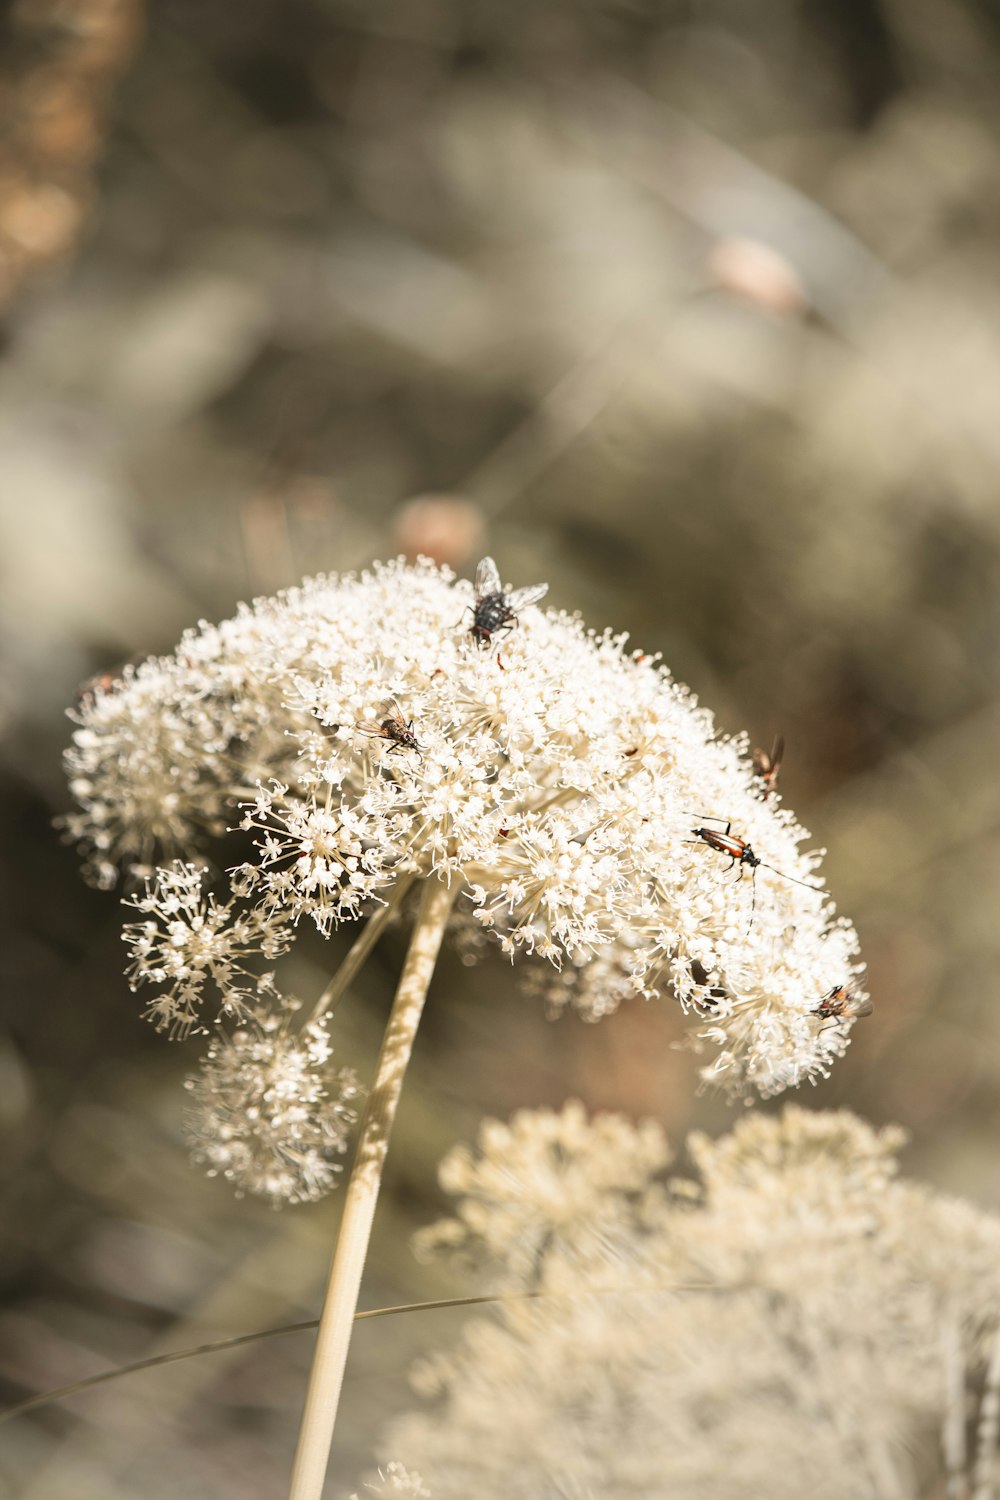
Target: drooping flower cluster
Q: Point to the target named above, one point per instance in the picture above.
(571, 789)
(268, 1113)
(190, 938)
(796, 1321)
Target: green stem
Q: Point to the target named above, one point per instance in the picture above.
(336, 1322)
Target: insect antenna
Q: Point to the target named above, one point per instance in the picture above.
(794, 879)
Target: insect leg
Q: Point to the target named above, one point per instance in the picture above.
(753, 898)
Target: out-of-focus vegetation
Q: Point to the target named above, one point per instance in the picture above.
(693, 310)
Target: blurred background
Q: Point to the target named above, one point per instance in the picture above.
(691, 307)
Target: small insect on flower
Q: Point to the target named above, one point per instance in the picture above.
(496, 610)
(101, 683)
(768, 766)
(841, 1003)
(738, 849)
(393, 727)
(740, 853)
(711, 996)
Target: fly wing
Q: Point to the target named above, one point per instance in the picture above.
(521, 598)
(487, 579)
(387, 709)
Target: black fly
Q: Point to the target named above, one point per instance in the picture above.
(392, 727)
(495, 609)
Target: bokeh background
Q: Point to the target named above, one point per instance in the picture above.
(691, 307)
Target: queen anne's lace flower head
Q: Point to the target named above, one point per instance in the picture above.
(558, 778)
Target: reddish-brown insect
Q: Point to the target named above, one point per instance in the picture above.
(768, 766)
(738, 849)
(740, 853)
(112, 678)
(392, 727)
(840, 1004)
(102, 683)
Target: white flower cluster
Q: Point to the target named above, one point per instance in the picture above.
(778, 1326)
(549, 1188)
(189, 938)
(267, 1113)
(577, 795)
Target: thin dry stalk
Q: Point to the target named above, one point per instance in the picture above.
(336, 1323)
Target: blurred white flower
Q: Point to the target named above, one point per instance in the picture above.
(395, 1480)
(578, 796)
(774, 1327)
(549, 1188)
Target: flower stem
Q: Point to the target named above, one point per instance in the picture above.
(333, 1339)
(362, 946)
